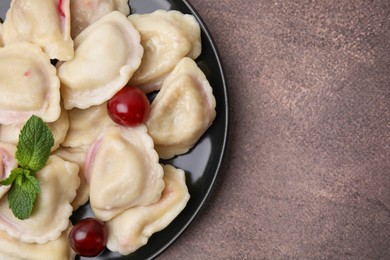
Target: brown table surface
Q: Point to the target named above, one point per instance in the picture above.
(307, 170)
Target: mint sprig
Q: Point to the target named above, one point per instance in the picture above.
(35, 142)
(32, 153)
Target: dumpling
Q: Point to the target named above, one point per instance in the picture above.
(86, 125)
(182, 111)
(59, 128)
(123, 171)
(8, 162)
(77, 155)
(28, 85)
(45, 23)
(98, 71)
(132, 229)
(85, 12)
(167, 36)
(59, 249)
(50, 217)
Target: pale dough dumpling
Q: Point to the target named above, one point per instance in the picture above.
(123, 171)
(59, 249)
(77, 155)
(85, 12)
(59, 128)
(28, 85)
(45, 23)
(86, 125)
(98, 71)
(132, 229)
(167, 36)
(50, 217)
(8, 162)
(182, 111)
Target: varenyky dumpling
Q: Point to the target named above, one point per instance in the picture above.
(182, 110)
(132, 229)
(8, 162)
(44, 22)
(58, 249)
(123, 171)
(167, 37)
(85, 12)
(59, 128)
(93, 76)
(50, 217)
(77, 155)
(28, 85)
(86, 125)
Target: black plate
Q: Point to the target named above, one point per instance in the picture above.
(203, 162)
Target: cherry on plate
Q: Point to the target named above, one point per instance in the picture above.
(129, 107)
(88, 237)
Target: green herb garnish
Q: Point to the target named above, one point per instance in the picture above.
(32, 153)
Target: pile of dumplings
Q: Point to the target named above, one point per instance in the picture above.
(62, 60)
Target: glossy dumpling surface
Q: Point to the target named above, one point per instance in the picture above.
(182, 111)
(86, 12)
(50, 217)
(123, 171)
(86, 125)
(167, 36)
(93, 76)
(8, 162)
(44, 22)
(132, 229)
(58, 249)
(27, 75)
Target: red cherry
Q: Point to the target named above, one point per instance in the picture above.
(129, 107)
(88, 237)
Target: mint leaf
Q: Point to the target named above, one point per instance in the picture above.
(22, 195)
(32, 153)
(11, 178)
(35, 142)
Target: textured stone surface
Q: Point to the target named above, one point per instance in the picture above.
(307, 171)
